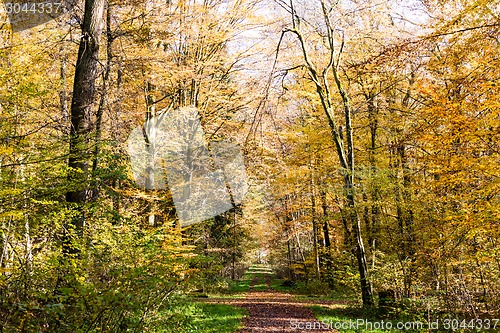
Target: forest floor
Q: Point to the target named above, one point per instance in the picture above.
(269, 310)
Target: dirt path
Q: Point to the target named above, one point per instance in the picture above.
(271, 311)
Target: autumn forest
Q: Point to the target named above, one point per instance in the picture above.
(181, 165)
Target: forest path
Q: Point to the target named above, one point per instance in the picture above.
(272, 311)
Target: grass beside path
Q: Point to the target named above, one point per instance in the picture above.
(199, 317)
(358, 320)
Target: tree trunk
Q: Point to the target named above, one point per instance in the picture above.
(375, 195)
(405, 219)
(366, 290)
(150, 148)
(84, 95)
(63, 97)
(344, 147)
(314, 222)
(103, 101)
(326, 241)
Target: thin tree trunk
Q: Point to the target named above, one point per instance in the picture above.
(63, 96)
(345, 148)
(326, 241)
(314, 223)
(27, 235)
(114, 135)
(375, 194)
(151, 147)
(405, 220)
(103, 101)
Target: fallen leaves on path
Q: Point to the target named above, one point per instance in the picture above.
(271, 311)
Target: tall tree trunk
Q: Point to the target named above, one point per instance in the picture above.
(326, 241)
(151, 147)
(114, 135)
(103, 101)
(375, 194)
(345, 148)
(405, 215)
(405, 219)
(63, 96)
(314, 221)
(27, 233)
(84, 95)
